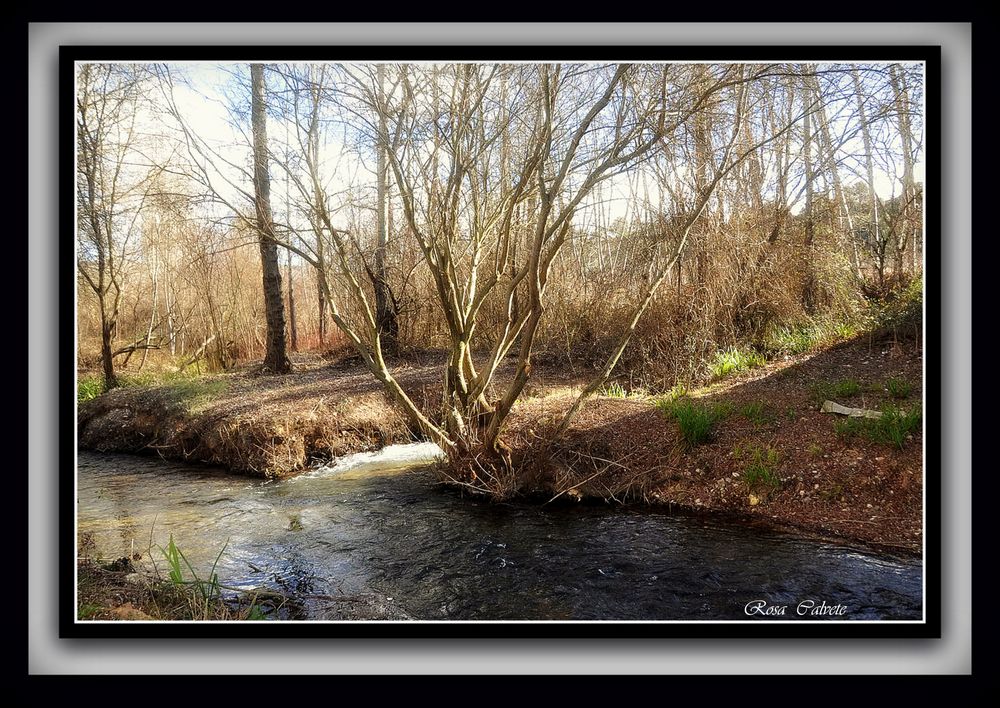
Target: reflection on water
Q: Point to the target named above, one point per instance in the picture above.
(369, 527)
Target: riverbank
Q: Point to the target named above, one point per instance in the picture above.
(768, 453)
(771, 454)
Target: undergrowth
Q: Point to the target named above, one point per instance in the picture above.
(756, 412)
(898, 388)
(808, 336)
(734, 360)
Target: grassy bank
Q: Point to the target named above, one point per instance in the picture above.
(117, 591)
(267, 426)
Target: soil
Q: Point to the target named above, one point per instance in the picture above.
(617, 449)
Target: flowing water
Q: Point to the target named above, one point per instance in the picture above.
(376, 534)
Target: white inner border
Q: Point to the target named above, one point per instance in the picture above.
(923, 257)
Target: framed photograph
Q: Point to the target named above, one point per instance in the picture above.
(413, 341)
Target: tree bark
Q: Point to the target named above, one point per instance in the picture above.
(809, 287)
(905, 133)
(276, 359)
(807, 156)
(107, 357)
(293, 326)
(385, 306)
(866, 138)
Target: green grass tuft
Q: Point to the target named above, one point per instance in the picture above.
(793, 340)
(194, 393)
(899, 388)
(733, 360)
(845, 388)
(760, 468)
(891, 429)
(88, 611)
(188, 384)
(756, 412)
(614, 390)
(676, 392)
(89, 388)
(807, 336)
(695, 420)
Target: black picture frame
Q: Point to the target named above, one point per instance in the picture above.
(930, 627)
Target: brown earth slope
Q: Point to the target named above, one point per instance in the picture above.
(841, 486)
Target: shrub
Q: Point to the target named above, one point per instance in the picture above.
(901, 311)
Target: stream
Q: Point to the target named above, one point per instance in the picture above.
(373, 536)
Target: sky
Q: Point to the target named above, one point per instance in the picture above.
(212, 88)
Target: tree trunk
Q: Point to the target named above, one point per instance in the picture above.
(321, 299)
(385, 307)
(866, 137)
(828, 153)
(905, 133)
(293, 326)
(107, 360)
(807, 156)
(275, 359)
(702, 152)
(809, 287)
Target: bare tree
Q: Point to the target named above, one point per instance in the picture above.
(109, 190)
(866, 136)
(386, 307)
(905, 239)
(276, 358)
